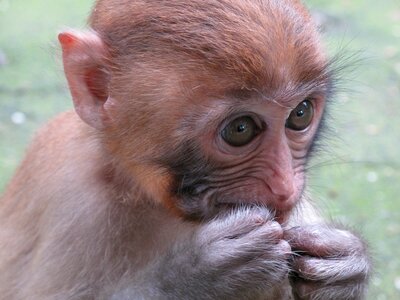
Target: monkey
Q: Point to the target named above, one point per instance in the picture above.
(180, 174)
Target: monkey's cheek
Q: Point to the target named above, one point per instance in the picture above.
(190, 208)
(154, 182)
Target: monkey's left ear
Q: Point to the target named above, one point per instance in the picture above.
(84, 58)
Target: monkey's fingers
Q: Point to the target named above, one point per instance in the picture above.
(323, 241)
(330, 271)
(308, 290)
(262, 240)
(236, 224)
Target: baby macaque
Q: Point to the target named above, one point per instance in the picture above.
(180, 174)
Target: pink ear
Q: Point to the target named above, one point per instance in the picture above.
(84, 58)
(67, 40)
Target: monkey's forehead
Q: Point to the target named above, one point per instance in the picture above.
(260, 40)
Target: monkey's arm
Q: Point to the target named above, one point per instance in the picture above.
(329, 263)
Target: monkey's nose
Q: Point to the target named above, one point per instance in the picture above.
(282, 187)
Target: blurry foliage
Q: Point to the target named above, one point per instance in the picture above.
(356, 176)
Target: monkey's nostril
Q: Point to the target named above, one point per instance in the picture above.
(282, 198)
(281, 191)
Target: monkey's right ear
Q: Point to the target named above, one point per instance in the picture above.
(84, 58)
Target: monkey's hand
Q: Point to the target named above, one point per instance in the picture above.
(241, 255)
(328, 264)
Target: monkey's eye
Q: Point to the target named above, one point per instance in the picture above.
(300, 117)
(240, 131)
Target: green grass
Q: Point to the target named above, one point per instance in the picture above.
(31, 81)
(359, 183)
(356, 178)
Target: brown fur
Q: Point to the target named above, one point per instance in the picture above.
(196, 51)
(241, 37)
(92, 212)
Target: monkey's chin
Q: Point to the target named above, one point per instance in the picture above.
(282, 216)
(283, 212)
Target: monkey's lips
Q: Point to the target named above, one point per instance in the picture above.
(279, 206)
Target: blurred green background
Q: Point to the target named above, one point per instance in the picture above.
(356, 178)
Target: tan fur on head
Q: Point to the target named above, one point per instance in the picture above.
(255, 39)
(174, 56)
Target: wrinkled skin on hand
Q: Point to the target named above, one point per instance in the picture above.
(328, 263)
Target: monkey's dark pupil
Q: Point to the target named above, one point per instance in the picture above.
(300, 113)
(241, 128)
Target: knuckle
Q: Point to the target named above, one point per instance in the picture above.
(273, 230)
(284, 247)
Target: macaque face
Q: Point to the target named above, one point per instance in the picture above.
(244, 149)
(220, 110)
